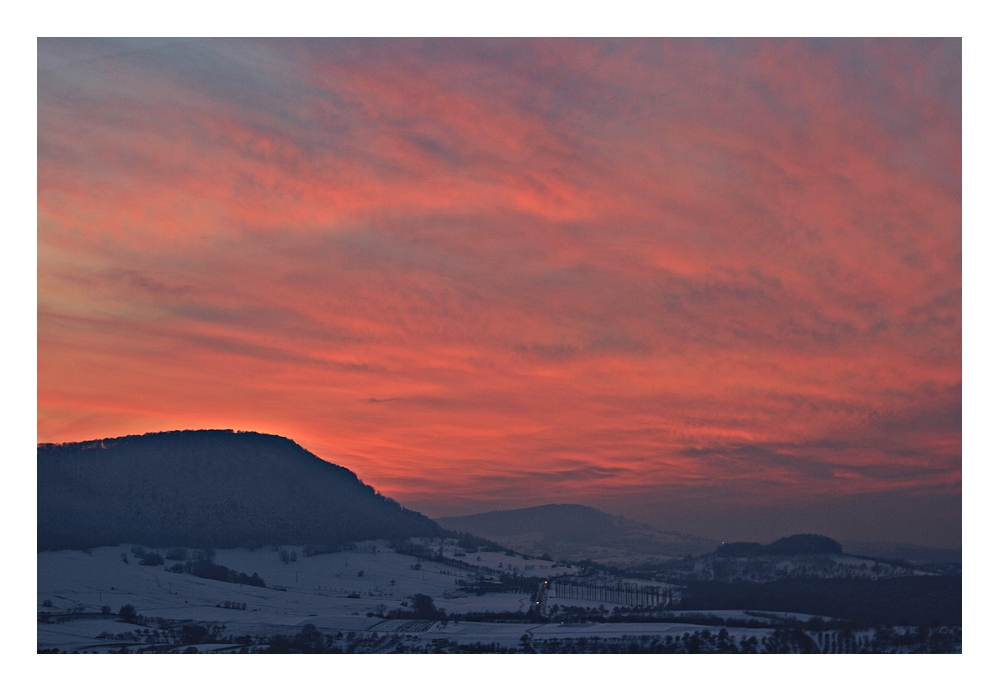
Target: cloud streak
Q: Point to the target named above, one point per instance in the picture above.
(680, 264)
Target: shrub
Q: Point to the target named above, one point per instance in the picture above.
(151, 559)
(192, 634)
(127, 613)
(323, 548)
(423, 607)
(217, 572)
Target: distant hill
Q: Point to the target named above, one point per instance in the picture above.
(793, 545)
(575, 532)
(915, 554)
(208, 488)
(794, 557)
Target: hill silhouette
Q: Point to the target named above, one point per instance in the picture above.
(574, 531)
(792, 545)
(208, 488)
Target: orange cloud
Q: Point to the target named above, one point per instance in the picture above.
(540, 270)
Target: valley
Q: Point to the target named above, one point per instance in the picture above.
(376, 598)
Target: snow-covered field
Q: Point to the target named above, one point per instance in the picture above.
(341, 594)
(320, 585)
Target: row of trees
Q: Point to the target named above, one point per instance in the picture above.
(202, 568)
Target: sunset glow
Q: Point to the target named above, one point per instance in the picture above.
(496, 274)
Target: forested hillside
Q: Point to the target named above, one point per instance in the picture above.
(208, 488)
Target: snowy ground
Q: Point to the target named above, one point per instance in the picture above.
(310, 586)
(336, 592)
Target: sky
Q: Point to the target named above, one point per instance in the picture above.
(711, 285)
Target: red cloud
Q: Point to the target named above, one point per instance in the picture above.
(539, 269)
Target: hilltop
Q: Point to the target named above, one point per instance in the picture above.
(211, 488)
(574, 531)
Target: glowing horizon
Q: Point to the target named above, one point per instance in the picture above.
(488, 274)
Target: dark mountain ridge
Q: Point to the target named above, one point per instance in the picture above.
(792, 545)
(574, 531)
(208, 488)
